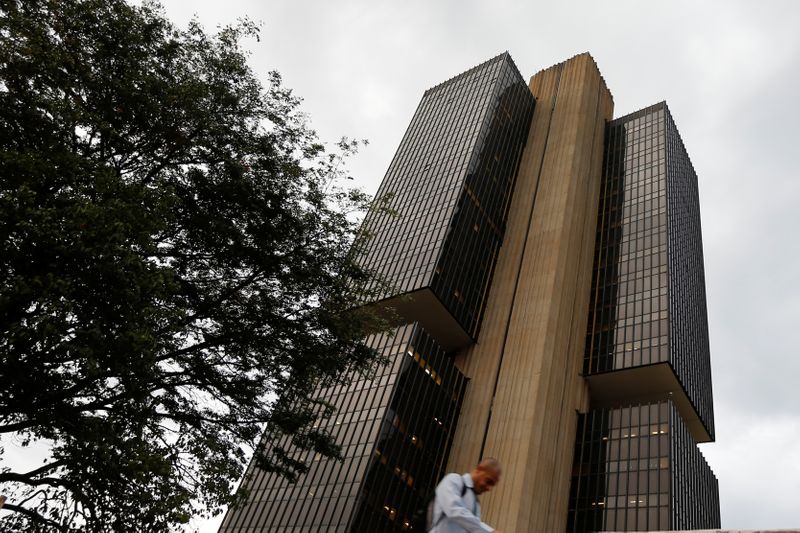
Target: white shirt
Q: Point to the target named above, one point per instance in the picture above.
(460, 513)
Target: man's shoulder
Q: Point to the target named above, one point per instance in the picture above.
(454, 478)
(454, 481)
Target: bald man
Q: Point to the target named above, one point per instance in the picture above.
(456, 508)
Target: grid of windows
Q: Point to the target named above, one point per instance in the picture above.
(416, 433)
(695, 489)
(621, 478)
(398, 423)
(628, 323)
(638, 469)
(450, 185)
(648, 302)
(276, 503)
(687, 286)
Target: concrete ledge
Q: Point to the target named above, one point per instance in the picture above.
(425, 307)
(643, 384)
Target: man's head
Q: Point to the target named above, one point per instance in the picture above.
(485, 475)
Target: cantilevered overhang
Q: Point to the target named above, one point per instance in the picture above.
(424, 307)
(645, 384)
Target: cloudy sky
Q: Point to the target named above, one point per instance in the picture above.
(730, 72)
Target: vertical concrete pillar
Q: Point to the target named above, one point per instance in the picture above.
(526, 385)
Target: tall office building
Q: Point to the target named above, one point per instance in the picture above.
(547, 265)
(637, 466)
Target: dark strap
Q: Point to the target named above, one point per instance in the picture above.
(463, 492)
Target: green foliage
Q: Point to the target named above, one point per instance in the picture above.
(175, 266)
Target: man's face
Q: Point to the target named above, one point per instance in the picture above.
(484, 479)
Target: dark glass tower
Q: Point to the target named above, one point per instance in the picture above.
(637, 466)
(586, 374)
(394, 429)
(450, 184)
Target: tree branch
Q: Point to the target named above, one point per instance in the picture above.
(12, 477)
(45, 468)
(17, 426)
(33, 515)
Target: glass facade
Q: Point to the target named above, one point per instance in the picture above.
(648, 299)
(450, 185)
(694, 487)
(629, 313)
(689, 347)
(413, 442)
(637, 468)
(395, 429)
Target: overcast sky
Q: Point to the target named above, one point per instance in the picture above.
(730, 72)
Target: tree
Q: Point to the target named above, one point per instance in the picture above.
(176, 267)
